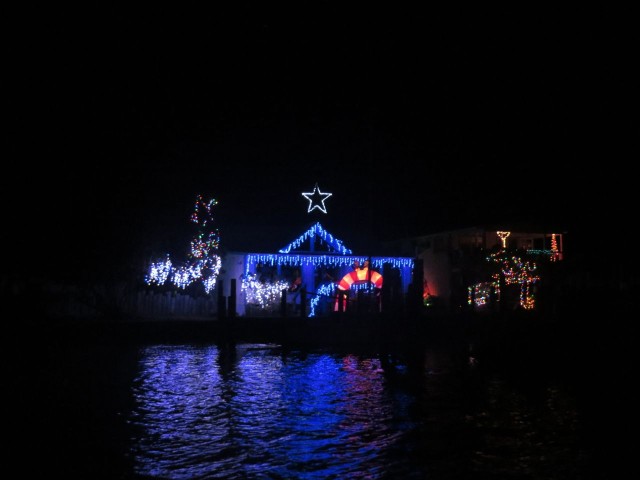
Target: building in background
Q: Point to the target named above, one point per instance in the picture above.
(471, 267)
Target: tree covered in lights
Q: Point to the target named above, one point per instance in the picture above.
(203, 259)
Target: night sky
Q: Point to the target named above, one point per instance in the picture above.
(415, 121)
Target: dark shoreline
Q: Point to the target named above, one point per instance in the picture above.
(304, 331)
(591, 340)
(517, 331)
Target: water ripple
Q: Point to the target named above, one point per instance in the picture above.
(252, 413)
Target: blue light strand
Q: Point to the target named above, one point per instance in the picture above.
(327, 290)
(317, 229)
(275, 259)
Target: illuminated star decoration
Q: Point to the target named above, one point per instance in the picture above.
(316, 199)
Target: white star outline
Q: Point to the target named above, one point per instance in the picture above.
(314, 201)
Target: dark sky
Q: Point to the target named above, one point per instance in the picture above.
(415, 120)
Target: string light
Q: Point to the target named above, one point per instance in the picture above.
(326, 290)
(317, 230)
(274, 259)
(538, 251)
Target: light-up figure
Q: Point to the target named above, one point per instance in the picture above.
(316, 199)
(503, 236)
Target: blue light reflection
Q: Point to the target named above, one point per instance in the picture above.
(250, 411)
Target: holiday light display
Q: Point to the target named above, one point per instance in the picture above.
(554, 248)
(503, 236)
(318, 231)
(265, 294)
(483, 292)
(274, 259)
(513, 271)
(324, 291)
(159, 272)
(204, 263)
(268, 295)
(337, 257)
(316, 199)
(359, 276)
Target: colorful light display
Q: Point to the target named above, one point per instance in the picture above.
(513, 271)
(555, 255)
(204, 264)
(358, 276)
(316, 199)
(481, 293)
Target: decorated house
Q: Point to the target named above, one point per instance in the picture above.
(316, 274)
(314, 268)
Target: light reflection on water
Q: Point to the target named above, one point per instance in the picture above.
(258, 411)
(252, 412)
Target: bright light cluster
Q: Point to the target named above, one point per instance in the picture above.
(318, 230)
(206, 270)
(205, 264)
(323, 260)
(480, 293)
(264, 294)
(159, 272)
(202, 244)
(517, 271)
